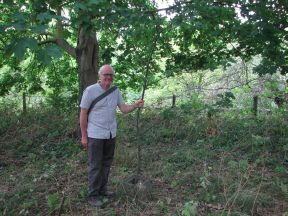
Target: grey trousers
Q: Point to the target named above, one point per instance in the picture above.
(100, 157)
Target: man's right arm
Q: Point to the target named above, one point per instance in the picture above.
(83, 126)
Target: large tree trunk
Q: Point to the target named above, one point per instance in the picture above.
(87, 55)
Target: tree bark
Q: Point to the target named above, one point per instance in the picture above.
(87, 56)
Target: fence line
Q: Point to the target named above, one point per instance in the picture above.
(32, 101)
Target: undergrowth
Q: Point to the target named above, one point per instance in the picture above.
(240, 170)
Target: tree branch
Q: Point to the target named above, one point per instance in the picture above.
(66, 46)
(61, 43)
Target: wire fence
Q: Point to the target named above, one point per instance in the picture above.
(254, 103)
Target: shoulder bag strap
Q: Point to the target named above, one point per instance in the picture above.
(100, 97)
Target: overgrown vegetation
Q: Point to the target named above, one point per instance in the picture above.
(208, 155)
(240, 170)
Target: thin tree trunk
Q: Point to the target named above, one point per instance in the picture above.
(255, 105)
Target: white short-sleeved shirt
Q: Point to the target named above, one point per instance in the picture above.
(102, 117)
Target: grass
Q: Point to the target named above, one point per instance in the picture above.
(240, 171)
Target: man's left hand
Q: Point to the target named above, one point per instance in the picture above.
(139, 104)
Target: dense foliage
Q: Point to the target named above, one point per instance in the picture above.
(134, 38)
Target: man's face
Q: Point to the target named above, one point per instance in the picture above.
(106, 76)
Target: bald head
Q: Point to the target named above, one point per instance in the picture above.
(106, 68)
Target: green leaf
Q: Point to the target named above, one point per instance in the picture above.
(19, 26)
(53, 201)
(43, 57)
(45, 16)
(80, 6)
(51, 51)
(94, 1)
(19, 16)
(54, 51)
(229, 95)
(39, 29)
(19, 47)
(190, 208)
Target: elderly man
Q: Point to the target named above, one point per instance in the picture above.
(98, 129)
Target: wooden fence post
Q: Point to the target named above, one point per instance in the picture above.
(173, 100)
(24, 103)
(255, 105)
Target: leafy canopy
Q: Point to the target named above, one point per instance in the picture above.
(201, 34)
